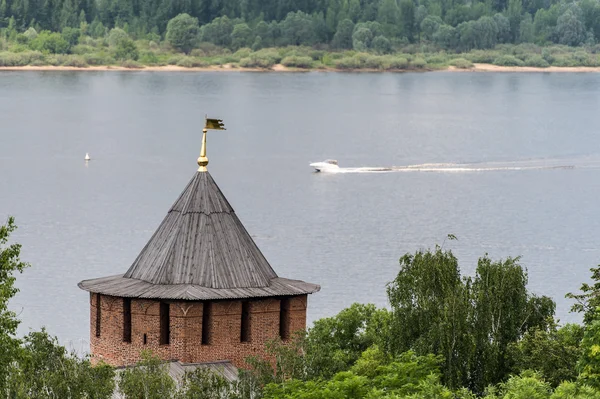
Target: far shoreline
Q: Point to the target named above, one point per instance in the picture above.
(477, 67)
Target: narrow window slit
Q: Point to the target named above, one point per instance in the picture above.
(284, 319)
(145, 339)
(206, 323)
(245, 331)
(165, 328)
(98, 315)
(126, 320)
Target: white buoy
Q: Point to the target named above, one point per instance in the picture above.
(87, 156)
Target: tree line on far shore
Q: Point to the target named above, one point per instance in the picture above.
(445, 336)
(105, 31)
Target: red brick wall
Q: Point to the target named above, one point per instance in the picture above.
(186, 329)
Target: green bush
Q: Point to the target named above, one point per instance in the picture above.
(244, 52)
(191, 62)
(98, 59)
(264, 58)
(439, 58)
(75, 61)
(297, 62)
(508, 60)
(581, 58)
(316, 54)
(347, 63)
(418, 63)
(481, 56)
(53, 60)
(20, 59)
(536, 61)
(173, 60)
(563, 61)
(82, 49)
(126, 49)
(10, 60)
(148, 58)
(49, 42)
(115, 35)
(373, 62)
(131, 64)
(461, 63)
(391, 62)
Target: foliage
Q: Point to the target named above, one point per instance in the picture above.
(48, 42)
(149, 380)
(469, 321)
(589, 300)
(204, 383)
(508, 60)
(125, 49)
(374, 376)
(182, 32)
(44, 369)
(298, 62)
(461, 63)
(553, 353)
(10, 264)
(528, 385)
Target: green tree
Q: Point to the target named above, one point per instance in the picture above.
(526, 32)
(46, 370)
(10, 264)
(569, 29)
(589, 300)
(487, 33)
(126, 49)
(553, 353)
(430, 25)
(297, 29)
(361, 39)
(71, 35)
(343, 35)
(503, 25)
(382, 45)
(218, 31)
(513, 13)
(115, 35)
(389, 17)
(446, 37)
(430, 308)
(149, 380)
(50, 43)
(528, 385)
(407, 18)
(241, 36)
(182, 32)
(203, 383)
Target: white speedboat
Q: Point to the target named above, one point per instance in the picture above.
(328, 165)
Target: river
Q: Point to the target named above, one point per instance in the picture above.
(512, 168)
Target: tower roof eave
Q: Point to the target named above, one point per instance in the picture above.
(121, 286)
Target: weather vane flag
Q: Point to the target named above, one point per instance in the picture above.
(213, 124)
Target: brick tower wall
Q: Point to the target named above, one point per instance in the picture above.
(186, 329)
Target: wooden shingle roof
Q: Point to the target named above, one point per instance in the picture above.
(200, 251)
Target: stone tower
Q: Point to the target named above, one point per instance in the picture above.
(199, 291)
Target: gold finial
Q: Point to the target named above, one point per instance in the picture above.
(214, 124)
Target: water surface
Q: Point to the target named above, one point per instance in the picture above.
(530, 139)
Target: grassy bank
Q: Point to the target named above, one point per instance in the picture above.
(95, 53)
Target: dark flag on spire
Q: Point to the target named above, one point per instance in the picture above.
(215, 124)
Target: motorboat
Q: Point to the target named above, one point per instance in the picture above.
(328, 165)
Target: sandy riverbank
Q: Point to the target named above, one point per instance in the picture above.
(496, 68)
(282, 68)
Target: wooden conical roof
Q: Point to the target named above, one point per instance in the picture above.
(201, 250)
(201, 241)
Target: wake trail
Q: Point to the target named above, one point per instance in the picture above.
(529, 165)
